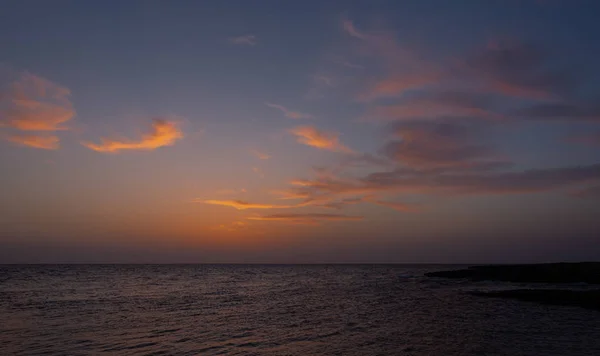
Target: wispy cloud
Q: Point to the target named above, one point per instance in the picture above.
(289, 113)
(591, 139)
(260, 155)
(559, 111)
(349, 28)
(403, 69)
(402, 207)
(438, 144)
(243, 205)
(246, 40)
(325, 80)
(310, 136)
(310, 219)
(164, 133)
(230, 191)
(436, 104)
(258, 171)
(32, 103)
(345, 63)
(592, 192)
(232, 227)
(396, 85)
(47, 142)
(520, 70)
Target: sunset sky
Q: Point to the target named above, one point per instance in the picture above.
(299, 131)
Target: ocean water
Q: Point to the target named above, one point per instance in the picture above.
(274, 310)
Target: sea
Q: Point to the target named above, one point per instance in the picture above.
(275, 310)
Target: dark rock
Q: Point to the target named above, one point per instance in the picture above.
(589, 299)
(583, 272)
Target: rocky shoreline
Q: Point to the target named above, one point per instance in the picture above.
(555, 273)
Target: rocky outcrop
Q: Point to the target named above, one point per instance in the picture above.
(583, 272)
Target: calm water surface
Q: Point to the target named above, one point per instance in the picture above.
(274, 310)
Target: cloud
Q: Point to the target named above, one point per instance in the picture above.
(404, 70)
(310, 219)
(245, 40)
(428, 144)
(559, 111)
(48, 142)
(591, 139)
(233, 227)
(338, 204)
(323, 79)
(258, 171)
(289, 113)
(260, 155)
(436, 104)
(588, 193)
(164, 133)
(230, 191)
(349, 28)
(449, 182)
(343, 62)
(243, 205)
(310, 136)
(397, 85)
(32, 103)
(528, 181)
(402, 207)
(520, 70)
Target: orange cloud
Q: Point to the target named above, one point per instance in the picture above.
(248, 40)
(243, 205)
(165, 133)
(311, 219)
(289, 113)
(310, 136)
(36, 141)
(33, 103)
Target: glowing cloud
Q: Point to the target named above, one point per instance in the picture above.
(242, 205)
(36, 141)
(246, 40)
(33, 103)
(164, 133)
(310, 219)
(310, 136)
(289, 113)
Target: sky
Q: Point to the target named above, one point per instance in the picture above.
(299, 131)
